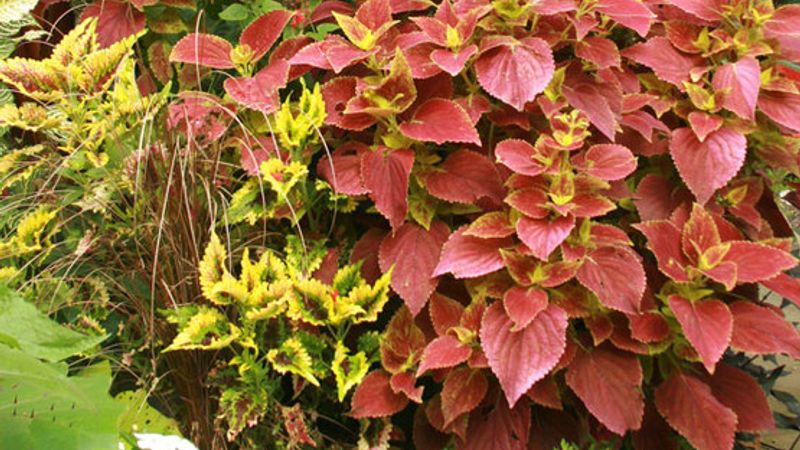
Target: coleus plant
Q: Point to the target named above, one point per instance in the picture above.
(579, 202)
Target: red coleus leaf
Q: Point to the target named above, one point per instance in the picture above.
(664, 240)
(630, 13)
(521, 358)
(703, 124)
(786, 286)
(707, 325)
(116, 20)
(453, 62)
(514, 71)
(464, 177)
(374, 397)
(405, 383)
(709, 165)
(343, 170)
(366, 251)
(334, 53)
(493, 224)
(445, 313)
(463, 390)
(519, 156)
(761, 330)
(468, 256)
(607, 161)
(546, 393)
(337, 93)
(648, 327)
(532, 202)
(644, 123)
(522, 305)
(616, 276)
(709, 10)
(402, 344)
(700, 233)
(440, 120)
(782, 107)
(204, 50)
(597, 100)
(500, 429)
(413, 252)
(741, 393)
(782, 26)
(442, 352)
(601, 52)
(691, 409)
(667, 63)
(252, 155)
(656, 197)
(600, 327)
(543, 236)
(260, 92)
(608, 381)
(385, 174)
(264, 31)
(374, 13)
(326, 8)
(424, 435)
(655, 433)
(739, 84)
(757, 262)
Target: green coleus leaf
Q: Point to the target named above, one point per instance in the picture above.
(292, 357)
(348, 370)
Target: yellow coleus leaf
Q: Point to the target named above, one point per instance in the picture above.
(10, 160)
(282, 177)
(347, 278)
(28, 116)
(205, 329)
(292, 357)
(31, 228)
(348, 370)
(267, 309)
(228, 290)
(37, 79)
(311, 301)
(371, 299)
(355, 31)
(294, 126)
(212, 267)
(76, 44)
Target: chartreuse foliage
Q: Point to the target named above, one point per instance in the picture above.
(278, 292)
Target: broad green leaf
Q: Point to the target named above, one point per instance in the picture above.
(234, 13)
(140, 417)
(35, 333)
(42, 408)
